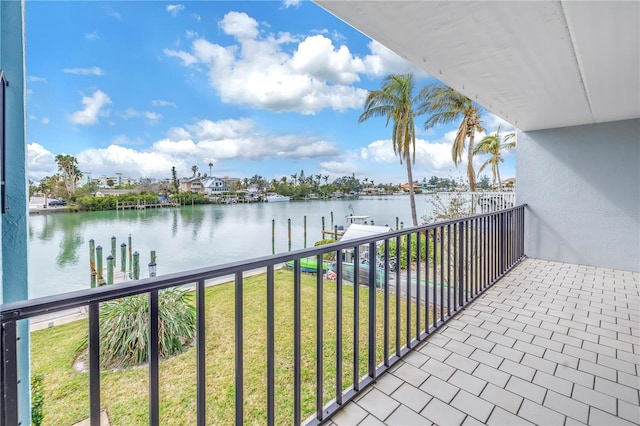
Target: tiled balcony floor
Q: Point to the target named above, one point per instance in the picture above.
(551, 343)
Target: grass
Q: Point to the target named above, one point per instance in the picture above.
(124, 393)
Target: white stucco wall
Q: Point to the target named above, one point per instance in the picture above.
(582, 187)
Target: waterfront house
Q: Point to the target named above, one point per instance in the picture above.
(193, 184)
(214, 186)
(553, 338)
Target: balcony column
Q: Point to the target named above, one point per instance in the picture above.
(14, 221)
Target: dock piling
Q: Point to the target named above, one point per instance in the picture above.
(273, 236)
(123, 257)
(305, 231)
(110, 270)
(289, 233)
(92, 256)
(136, 265)
(99, 264)
(113, 247)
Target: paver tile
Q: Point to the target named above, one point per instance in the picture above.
(600, 418)
(492, 375)
(548, 381)
(575, 376)
(351, 414)
(486, 358)
(472, 405)
(525, 389)
(628, 411)
(388, 383)
(594, 398)
(478, 343)
(440, 389)
(459, 348)
(517, 369)
(461, 363)
(438, 369)
(467, 382)
(538, 414)
(442, 414)
(435, 351)
(502, 398)
(378, 404)
(567, 406)
(560, 358)
(500, 417)
(597, 370)
(370, 420)
(413, 375)
(404, 416)
(630, 380)
(411, 396)
(507, 352)
(538, 363)
(617, 390)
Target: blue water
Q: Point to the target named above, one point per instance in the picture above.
(188, 237)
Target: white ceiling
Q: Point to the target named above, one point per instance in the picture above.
(537, 64)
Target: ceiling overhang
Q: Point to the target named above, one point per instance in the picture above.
(537, 64)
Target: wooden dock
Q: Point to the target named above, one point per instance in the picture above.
(142, 205)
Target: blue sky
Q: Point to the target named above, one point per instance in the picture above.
(258, 87)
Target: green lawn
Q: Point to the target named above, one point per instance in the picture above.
(124, 393)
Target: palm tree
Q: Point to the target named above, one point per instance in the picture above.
(395, 101)
(194, 169)
(210, 166)
(444, 105)
(493, 145)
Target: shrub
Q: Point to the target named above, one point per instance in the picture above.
(37, 399)
(124, 328)
(403, 249)
(330, 255)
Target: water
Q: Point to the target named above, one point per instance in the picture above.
(188, 237)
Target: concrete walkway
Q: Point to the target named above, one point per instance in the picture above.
(551, 343)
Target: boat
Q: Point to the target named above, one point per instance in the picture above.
(308, 264)
(274, 198)
(313, 197)
(363, 273)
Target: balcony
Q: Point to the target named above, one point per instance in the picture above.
(469, 333)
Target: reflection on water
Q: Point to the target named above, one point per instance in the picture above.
(184, 238)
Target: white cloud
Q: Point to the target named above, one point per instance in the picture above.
(92, 108)
(291, 3)
(129, 113)
(125, 140)
(240, 25)
(45, 120)
(92, 36)
(174, 9)
(187, 58)
(34, 79)
(161, 103)
(152, 116)
(84, 71)
(492, 122)
(258, 72)
(191, 34)
(40, 162)
(198, 143)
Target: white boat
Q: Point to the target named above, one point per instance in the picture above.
(274, 198)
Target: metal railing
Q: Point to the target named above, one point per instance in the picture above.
(453, 262)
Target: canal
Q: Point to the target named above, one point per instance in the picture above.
(188, 237)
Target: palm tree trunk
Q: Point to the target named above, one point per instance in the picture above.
(412, 197)
(499, 180)
(470, 172)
